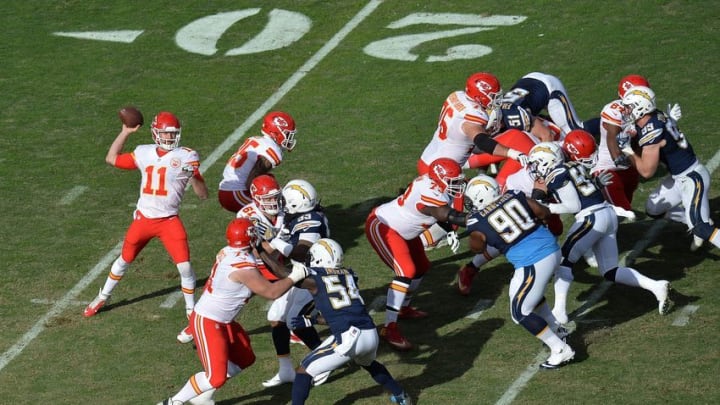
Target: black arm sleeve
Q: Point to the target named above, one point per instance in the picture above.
(539, 195)
(456, 217)
(483, 143)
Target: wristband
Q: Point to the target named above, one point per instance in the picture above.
(457, 217)
(283, 247)
(513, 154)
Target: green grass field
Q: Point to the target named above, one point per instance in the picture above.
(364, 112)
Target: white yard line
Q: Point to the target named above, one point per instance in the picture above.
(72, 195)
(682, 319)
(100, 268)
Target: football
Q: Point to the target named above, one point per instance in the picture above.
(131, 116)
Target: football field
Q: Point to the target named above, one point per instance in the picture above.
(365, 81)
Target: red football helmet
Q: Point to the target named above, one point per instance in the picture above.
(631, 81)
(447, 173)
(240, 233)
(166, 130)
(485, 89)
(265, 191)
(280, 126)
(579, 145)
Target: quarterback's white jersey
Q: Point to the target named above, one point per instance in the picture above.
(611, 114)
(243, 160)
(164, 178)
(449, 140)
(402, 214)
(222, 299)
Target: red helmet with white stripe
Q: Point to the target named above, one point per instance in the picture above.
(631, 81)
(280, 126)
(448, 174)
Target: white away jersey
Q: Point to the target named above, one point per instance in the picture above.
(252, 212)
(612, 114)
(222, 299)
(402, 214)
(449, 140)
(242, 161)
(164, 178)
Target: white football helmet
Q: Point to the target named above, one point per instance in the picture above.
(299, 197)
(325, 253)
(639, 101)
(481, 190)
(543, 158)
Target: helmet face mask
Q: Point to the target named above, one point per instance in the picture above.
(280, 126)
(241, 233)
(166, 130)
(543, 158)
(481, 191)
(447, 174)
(579, 146)
(638, 101)
(265, 191)
(299, 196)
(325, 253)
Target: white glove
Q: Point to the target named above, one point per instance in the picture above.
(265, 231)
(628, 150)
(674, 111)
(453, 241)
(298, 273)
(603, 179)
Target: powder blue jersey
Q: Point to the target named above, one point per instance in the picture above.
(510, 226)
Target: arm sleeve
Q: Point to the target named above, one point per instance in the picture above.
(569, 201)
(125, 161)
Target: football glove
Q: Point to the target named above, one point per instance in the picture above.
(674, 111)
(519, 156)
(302, 321)
(265, 231)
(299, 272)
(603, 179)
(453, 241)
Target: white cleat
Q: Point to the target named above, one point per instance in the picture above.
(277, 379)
(664, 302)
(558, 359)
(169, 401)
(321, 378)
(696, 244)
(185, 336)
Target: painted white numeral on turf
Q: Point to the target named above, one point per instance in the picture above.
(400, 47)
(283, 29)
